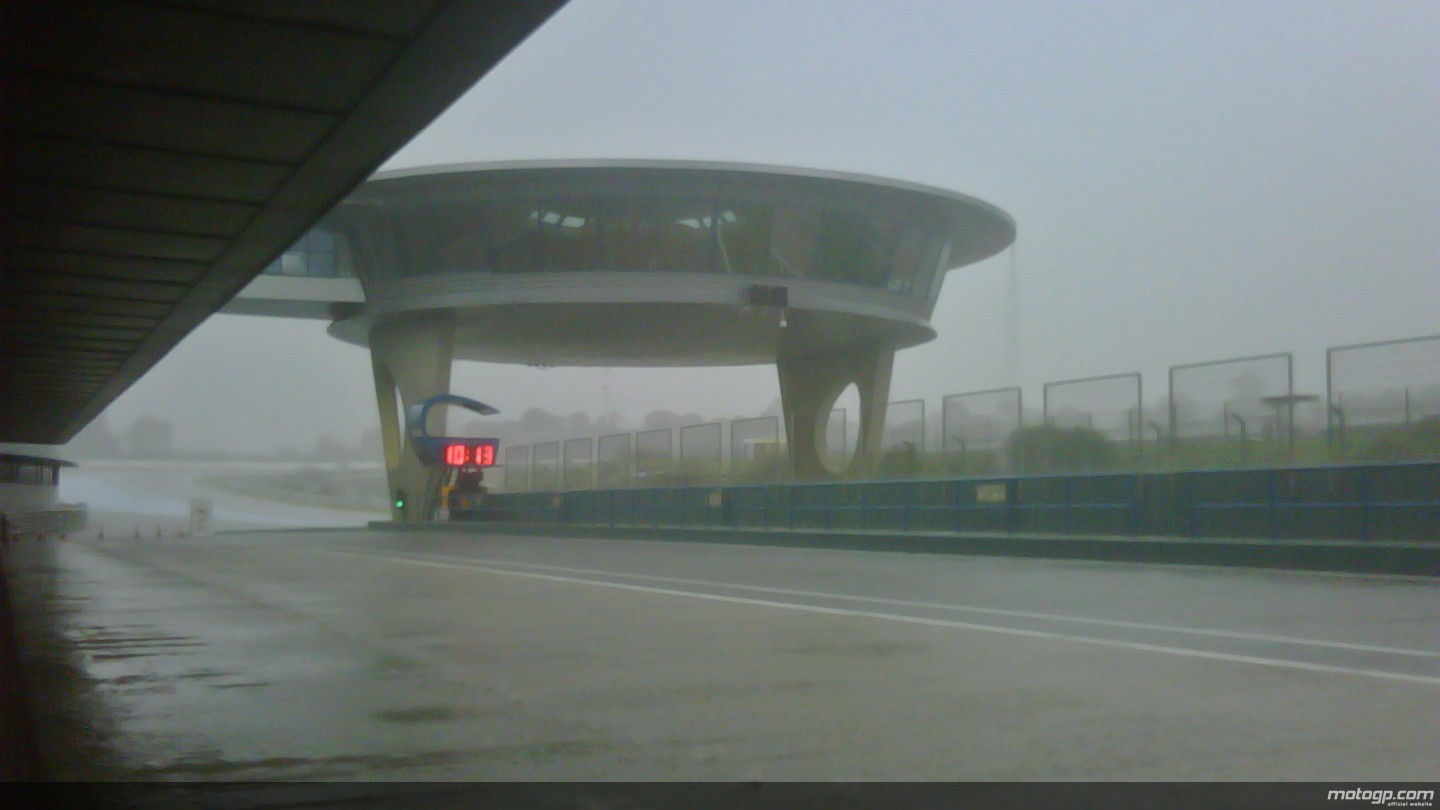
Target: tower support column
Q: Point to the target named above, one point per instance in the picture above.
(412, 357)
(810, 383)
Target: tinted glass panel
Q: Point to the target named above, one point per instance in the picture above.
(792, 246)
(630, 232)
(451, 234)
(568, 235)
(843, 254)
(459, 238)
(685, 238)
(910, 267)
(743, 238)
(879, 245)
(417, 240)
(513, 234)
(376, 254)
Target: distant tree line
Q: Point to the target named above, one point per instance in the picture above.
(153, 437)
(1034, 449)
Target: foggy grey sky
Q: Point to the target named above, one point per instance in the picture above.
(1191, 180)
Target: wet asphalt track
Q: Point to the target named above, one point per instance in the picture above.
(350, 654)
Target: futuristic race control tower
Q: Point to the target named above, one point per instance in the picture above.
(633, 263)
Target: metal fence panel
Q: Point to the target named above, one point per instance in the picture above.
(1110, 405)
(654, 457)
(1382, 403)
(904, 425)
(545, 467)
(1219, 398)
(1394, 382)
(578, 470)
(612, 468)
(902, 441)
(701, 457)
(517, 468)
(756, 453)
(979, 430)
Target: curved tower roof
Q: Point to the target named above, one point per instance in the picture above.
(649, 262)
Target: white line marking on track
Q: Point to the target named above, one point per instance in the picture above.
(881, 600)
(482, 567)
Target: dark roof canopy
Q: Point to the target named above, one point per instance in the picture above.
(157, 155)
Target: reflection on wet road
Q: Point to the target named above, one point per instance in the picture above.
(353, 654)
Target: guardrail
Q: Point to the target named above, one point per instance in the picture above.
(1399, 502)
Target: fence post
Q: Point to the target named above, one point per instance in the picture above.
(1069, 519)
(864, 508)
(955, 490)
(776, 491)
(1273, 479)
(1012, 505)
(1365, 485)
(909, 503)
(1186, 496)
(1137, 495)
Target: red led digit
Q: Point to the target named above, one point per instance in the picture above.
(455, 455)
(485, 455)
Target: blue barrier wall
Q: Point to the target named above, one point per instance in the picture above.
(1353, 502)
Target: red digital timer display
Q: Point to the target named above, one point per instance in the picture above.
(469, 454)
